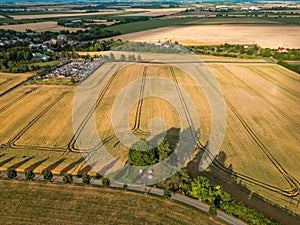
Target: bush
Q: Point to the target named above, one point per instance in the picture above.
(86, 179)
(125, 186)
(167, 193)
(105, 182)
(47, 175)
(11, 173)
(29, 174)
(68, 178)
(212, 210)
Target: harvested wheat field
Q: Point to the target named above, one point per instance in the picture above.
(267, 36)
(41, 16)
(29, 119)
(261, 145)
(9, 80)
(153, 12)
(42, 26)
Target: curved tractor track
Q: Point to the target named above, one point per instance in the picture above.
(71, 146)
(12, 142)
(138, 112)
(293, 182)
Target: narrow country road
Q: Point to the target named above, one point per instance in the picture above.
(140, 188)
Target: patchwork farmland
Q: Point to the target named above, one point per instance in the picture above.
(260, 149)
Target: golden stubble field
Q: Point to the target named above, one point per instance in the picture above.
(45, 15)
(261, 144)
(267, 36)
(9, 80)
(263, 124)
(39, 27)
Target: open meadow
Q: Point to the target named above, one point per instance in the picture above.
(68, 204)
(266, 36)
(261, 145)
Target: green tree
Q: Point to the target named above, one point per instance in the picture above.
(86, 179)
(142, 154)
(201, 189)
(67, 178)
(139, 58)
(125, 186)
(181, 182)
(131, 58)
(164, 149)
(105, 182)
(112, 57)
(47, 175)
(11, 173)
(122, 58)
(167, 193)
(29, 174)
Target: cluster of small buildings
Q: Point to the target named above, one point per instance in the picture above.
(162, 45)
(13, 40)
(283, 50)
(78, 68)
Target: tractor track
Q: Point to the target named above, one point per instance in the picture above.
(12, 141)
(71, 145)
(263, 75)
(296, 124)
(294, 183)
(138, 112)
(182, 101)
(16, 100)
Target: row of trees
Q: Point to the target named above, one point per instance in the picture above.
(198, 187)
(48, 175)
(122, 58)
(231, 50)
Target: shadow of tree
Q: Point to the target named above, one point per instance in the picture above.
(7, 161)
(17, 165)
(221, 174)
(71, 166)
(36, 165)
(56, 164)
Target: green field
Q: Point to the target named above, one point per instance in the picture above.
(148, 25)
(27, 203)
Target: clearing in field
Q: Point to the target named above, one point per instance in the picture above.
(266, 36)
